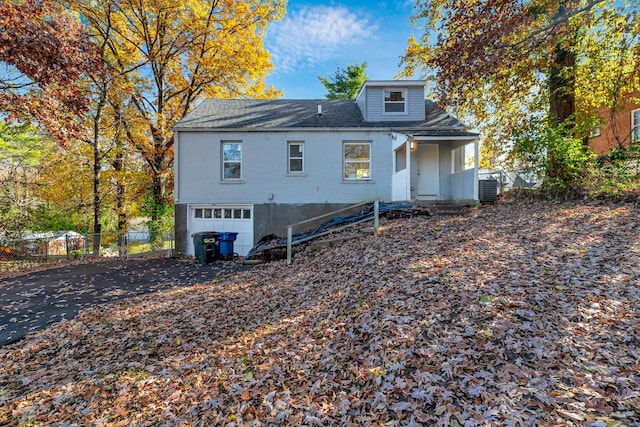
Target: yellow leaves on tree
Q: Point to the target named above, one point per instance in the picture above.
(169, 54)
(499, 62)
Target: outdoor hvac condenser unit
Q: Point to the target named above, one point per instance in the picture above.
(488, 189)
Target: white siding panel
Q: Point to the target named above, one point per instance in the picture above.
(415, 97)
(400, 187)
(264, 169)
(374, 104)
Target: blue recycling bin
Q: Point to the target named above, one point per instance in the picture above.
(225, 241)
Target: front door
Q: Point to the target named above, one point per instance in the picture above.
(428, 171)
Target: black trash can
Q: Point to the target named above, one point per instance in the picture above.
(205, 246)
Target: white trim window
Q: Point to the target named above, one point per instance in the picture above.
(356, 160)
(395, 101)
(462, 158)
(635, 126)
(231, 160)
(295, 157)
(457, 159)
(595, 132)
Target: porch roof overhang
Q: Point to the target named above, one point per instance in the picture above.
(455, 135)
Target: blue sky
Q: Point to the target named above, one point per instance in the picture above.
(313, 39)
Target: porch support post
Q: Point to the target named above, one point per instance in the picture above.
(476, 162)
(289, 244)
(408, 151)
(376, 217)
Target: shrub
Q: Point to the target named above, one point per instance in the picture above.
(563, 161)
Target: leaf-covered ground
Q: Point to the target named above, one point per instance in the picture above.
(516, 314)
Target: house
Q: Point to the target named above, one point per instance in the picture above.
(621, 126)
(254, 166)
(48, 243)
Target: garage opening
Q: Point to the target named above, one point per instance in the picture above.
(223, 218)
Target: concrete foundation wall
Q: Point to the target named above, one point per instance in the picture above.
(181, 217)
(273, 218)
(268, 218)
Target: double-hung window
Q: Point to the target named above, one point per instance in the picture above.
(395, 101)
(356, 160)
(231, 160)
(635, 126)
(295, 157)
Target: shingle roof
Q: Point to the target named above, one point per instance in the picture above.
(256, 114)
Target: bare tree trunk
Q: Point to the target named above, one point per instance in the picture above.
(118, 167)
(97, 168)
(562, 101)
(97, 200)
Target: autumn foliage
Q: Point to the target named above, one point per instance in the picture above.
(46, 54)
(500, 62)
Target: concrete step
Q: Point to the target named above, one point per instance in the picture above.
(441, 209)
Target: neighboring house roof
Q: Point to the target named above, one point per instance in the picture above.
(52, 235)
(289, 114)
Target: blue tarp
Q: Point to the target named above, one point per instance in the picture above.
(271, 241)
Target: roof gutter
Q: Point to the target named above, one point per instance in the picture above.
(322, 129)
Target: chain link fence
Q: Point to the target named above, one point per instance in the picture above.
(510, 179)
(38, 248)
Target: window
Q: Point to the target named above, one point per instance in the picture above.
(457, 159)
(295, 157)
(357, 160)
(462, 158)
(202, 213)
(231, 160)
(401, 158)
(635, 126)
(395, 101)
(595, 131)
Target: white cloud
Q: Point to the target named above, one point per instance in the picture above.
(313, 35)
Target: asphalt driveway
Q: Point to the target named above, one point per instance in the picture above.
(35, 300)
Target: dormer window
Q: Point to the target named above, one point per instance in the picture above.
(395, 101)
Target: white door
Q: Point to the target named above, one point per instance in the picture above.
(428, 171)
(219, 218)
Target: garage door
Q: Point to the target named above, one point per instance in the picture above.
(222, 218)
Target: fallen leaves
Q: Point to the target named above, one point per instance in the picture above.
(465, 326)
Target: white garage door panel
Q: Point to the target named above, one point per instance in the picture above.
(223, 218)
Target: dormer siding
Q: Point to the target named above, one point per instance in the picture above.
(392, 101)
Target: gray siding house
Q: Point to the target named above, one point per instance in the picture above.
(254, 166)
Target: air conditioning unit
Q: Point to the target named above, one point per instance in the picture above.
(488, 190)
